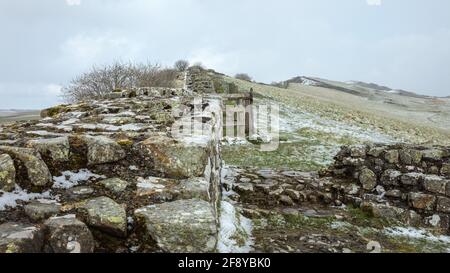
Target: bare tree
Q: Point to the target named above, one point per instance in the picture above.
(181, 65)
(99, 81)
(243, 76)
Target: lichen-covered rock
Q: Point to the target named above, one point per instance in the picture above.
(411, 179)
(181, 226)
(36, 172)
(101, 149)
(375, 151)
(57, 149)
(7, 173)
(368, 179)
(422, 201)
(39, 211)
(434, 184)
(105, 214)
(173, 158)
(383, 211)
(391, 177)
(405, 156)
(358, 151)
(443, 204)
(392, 156)
(20, 238)
(433, 154)
(114, 185)
(445, 169)
(194, 188)
(67, 234)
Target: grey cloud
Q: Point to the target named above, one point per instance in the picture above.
(403, 44)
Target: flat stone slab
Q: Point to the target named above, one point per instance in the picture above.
(20, 238)
(182, 226)
(114, 185)
(38, 211)
(106, 215)
(175, 159)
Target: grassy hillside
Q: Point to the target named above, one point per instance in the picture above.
(316, 121)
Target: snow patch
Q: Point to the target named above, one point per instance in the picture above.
(70, 179)
(233, 226)
(415, 233)
(9, 199)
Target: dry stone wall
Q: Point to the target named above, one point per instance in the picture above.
(136, 171)
(401, 181)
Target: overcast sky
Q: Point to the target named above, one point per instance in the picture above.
(403, 44)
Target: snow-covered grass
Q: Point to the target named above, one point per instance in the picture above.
(414, 233)
(9, 199)
(70, 179)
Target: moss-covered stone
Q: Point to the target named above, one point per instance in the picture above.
(180, 226)
(105, 214)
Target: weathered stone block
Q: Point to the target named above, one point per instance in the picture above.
(100, 149)
(105, 214)
(21, 238)
(443, 204)
(382, 210)
(38, 211)
(375, 151)
(434, 184)
(445, 169)
(358, 151)
(433, 155)
(422, 201)
(173, 158)
(391, 177)
(36, 173)
(392, 156)
(181, 226)
(57, 149)
(411, 179)
(7, 173)
(67, 234)
(114, 185)
(405, 156)
(368, 179)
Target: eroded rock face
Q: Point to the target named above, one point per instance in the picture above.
(36, 173)
(20, 238)
(101, 149)
(67, 234)
(175, 159)
(38, 211)
(7, 173)
(56, 149)
(105, 214)
(180, 226)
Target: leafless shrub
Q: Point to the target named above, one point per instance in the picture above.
(181, 65)
(243, 76)
(99, 81)
(198, 65)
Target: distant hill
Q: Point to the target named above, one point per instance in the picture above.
(358, 88)
(7, 115)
